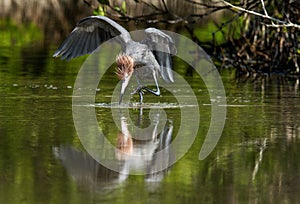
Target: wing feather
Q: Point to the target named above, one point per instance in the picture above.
(163, 47)
(89, 33)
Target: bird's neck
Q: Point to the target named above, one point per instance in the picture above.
(125, 64)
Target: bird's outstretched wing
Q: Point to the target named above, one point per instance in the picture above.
(89, 33)
(163, 47)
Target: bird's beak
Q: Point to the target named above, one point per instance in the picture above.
(124, 85)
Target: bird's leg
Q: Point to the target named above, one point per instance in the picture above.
(157, 92)
(141, 96)
(140, 88)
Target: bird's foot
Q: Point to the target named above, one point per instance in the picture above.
(139, 90)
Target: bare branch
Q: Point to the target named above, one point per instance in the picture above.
(264, 8)
(266, 16)
(165, 6)
(283, 25)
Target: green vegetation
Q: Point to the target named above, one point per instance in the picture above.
(16, 35)
(104, 5)
(211, 32)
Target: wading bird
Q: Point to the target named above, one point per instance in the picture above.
(147, 59)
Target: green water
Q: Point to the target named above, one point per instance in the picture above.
(42, 160)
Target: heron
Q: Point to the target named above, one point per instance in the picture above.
(149, 58)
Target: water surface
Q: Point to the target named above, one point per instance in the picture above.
(43, 161)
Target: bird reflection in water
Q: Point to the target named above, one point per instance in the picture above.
(135, 153)
(138, 150)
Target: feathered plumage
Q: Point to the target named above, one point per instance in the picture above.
(125, 65)
(153, 53)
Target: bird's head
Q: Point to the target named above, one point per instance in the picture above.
(124, 71)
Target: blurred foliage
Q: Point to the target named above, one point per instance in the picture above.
(264, 46)
(239, 40)
(13, 34)
(104, 2)
(210, 32)
(104, 5)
